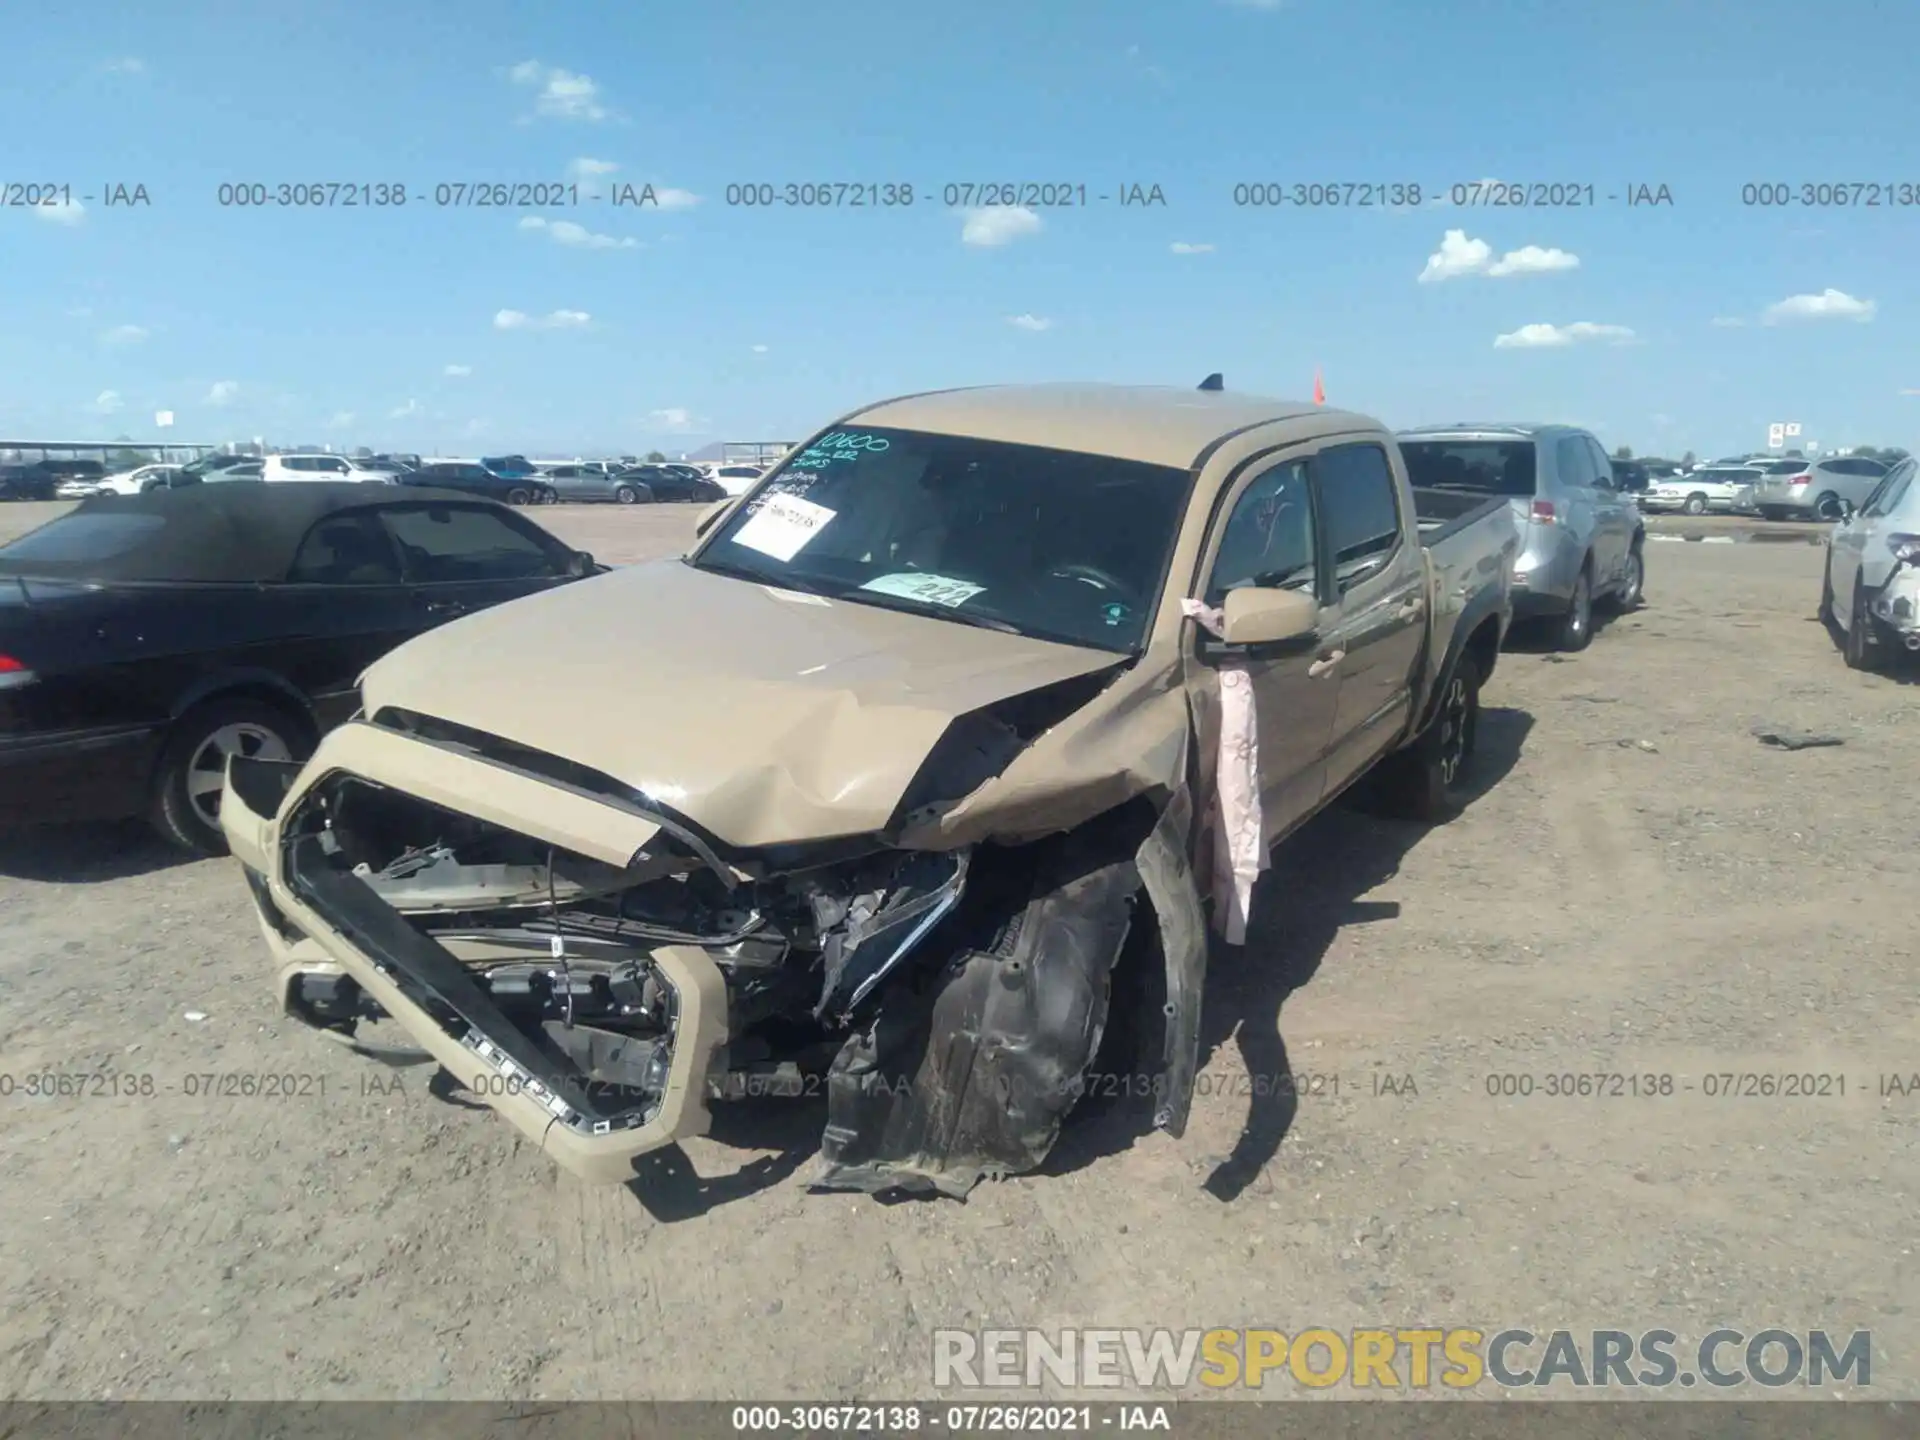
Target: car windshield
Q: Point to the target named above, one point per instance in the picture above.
(1725, 475)
(1485, 467)
(1785, 467)
(1055, 544)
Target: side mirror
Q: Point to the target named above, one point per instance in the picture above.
(582, 564)
(1269, 617)
(710, 516)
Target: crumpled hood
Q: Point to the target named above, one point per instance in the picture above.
(763, 716)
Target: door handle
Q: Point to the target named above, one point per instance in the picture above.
(445, 607)
(1325, 664)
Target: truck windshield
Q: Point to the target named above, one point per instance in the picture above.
(1486, 467)
(1054, 544)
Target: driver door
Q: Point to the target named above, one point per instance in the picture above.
(1271, 538)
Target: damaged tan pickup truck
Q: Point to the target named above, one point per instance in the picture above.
(940, 739)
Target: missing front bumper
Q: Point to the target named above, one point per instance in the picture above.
(323, 921)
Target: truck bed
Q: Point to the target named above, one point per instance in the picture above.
(1443, 513)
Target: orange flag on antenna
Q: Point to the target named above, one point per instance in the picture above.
(1319, 390)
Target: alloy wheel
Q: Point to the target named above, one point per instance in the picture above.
(207, 770)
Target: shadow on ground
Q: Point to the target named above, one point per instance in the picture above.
(1312, 892)
(86, 854)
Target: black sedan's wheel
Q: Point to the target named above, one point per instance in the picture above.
(520, 495)
(627, 494)
(193, 767)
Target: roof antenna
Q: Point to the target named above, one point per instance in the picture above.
(1213, 382)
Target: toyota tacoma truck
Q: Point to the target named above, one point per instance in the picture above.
(975, 714)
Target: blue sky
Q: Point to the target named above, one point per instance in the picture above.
(385, 327)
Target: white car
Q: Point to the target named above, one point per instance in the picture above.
(1870, 594)
(322, 467)
(1712, 487)
(735, 479)
(125, 482)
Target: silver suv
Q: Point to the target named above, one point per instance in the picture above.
(1582, 540)
(1816, 487)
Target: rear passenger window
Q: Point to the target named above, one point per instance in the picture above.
(1571, 460)
(1268, 542)
(1360, 510)
(345, 550)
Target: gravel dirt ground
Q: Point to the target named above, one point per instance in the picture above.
(1639, 888)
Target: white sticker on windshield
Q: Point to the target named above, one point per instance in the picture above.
(932, 589)
(782, 526)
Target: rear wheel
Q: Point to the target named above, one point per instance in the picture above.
(519, 495)
(1633, 583)
(1858, 647)
(1576, 626)
(1827, 507)
(1426, 781)
(627, 495)
(193, 767)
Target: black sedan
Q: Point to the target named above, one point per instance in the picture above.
(146, 638)
(673, 482)
(482, 480)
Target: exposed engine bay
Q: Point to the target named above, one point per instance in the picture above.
(948, 1003)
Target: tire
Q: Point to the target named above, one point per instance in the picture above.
(1426, 781)
(1696, 505)
(1633, 585)
(1575, 629)
(185, 806)
(549, 496)
(1827, 617)
(626, 495)
(519, 495)
(1858, 648)
(1827, 507)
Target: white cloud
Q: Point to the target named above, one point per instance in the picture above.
(62, 212)
(341, 420)
(1728, 322)
(222, 392)
(1534, 337)
(458, 370)
(674, 419)
(992, 225)
(1030, 322)
(565, 232)
(401, 412)
(1910, 392)
(667, 198)
(586, 168)
(563, 94)
(1827, 305)
(553, 320)
(1458, 255)
(1182, 247)
(759, 349)
(124, 335)
(108, 401)
(127, 65)
(1533, 260)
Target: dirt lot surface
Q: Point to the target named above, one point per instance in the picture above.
(1640, 888)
